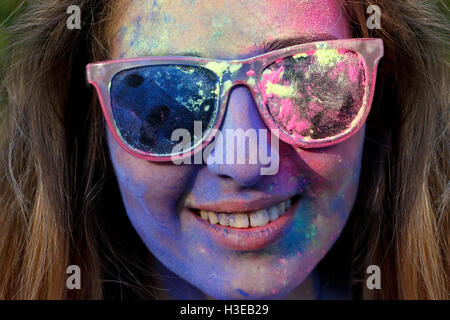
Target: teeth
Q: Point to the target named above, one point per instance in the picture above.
(258, 218)
(224, 219)
(204, 214)
(274, 213)
(281, 209)
(212, 217)
(239, 220)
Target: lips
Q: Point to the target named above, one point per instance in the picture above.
(245, 231)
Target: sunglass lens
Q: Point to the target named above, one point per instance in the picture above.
(148, 103)
(315, 95)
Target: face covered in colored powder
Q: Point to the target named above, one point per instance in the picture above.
(162, 199)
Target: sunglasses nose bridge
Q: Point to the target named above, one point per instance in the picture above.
(244, 77)
(241, 74)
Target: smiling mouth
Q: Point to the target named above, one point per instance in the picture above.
(249, 219)
(243, 230)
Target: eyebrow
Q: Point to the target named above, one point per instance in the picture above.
(276, 44)
(283, 43)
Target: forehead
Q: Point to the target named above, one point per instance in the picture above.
(221, 28)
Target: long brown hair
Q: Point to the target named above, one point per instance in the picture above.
(60, 205)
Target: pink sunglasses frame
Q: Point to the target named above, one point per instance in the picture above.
(240, 72)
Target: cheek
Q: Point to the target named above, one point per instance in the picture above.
(148, 185)
(335, 163)
(333, 177)
(333, 174)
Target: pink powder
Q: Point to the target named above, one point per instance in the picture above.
(272, 77)
(348, 66)
(297, 125)
(287, 108)
(288, 117)
(302, 125)
(333, 74)
(353, 72)
(308, 89)
(340, 67)
(314, 106)
(313, 109)
(291, 125)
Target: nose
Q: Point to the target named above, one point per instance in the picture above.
(241, 118)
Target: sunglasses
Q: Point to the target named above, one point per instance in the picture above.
(312, 95)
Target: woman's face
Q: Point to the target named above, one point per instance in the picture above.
(163, 199)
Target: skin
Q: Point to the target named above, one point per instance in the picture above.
(154, 193)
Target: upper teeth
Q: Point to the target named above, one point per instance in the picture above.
(257, 218)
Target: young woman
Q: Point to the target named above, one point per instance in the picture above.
(87, 177)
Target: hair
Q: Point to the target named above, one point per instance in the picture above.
(60, 203)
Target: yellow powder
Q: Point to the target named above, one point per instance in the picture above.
(235, 67)
(280, 90)
(227, 85)
(327, 57)
(300, 55)
(251, 81)
(217, 67)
